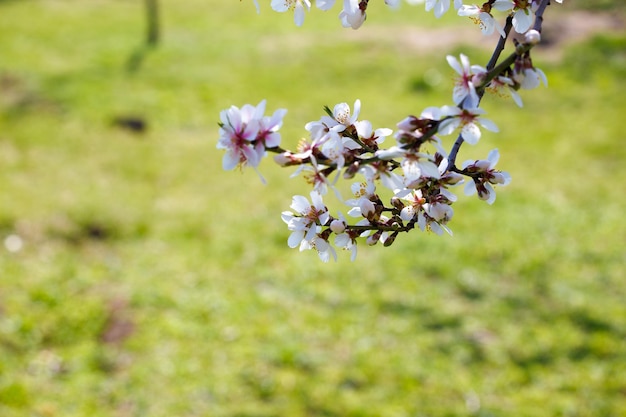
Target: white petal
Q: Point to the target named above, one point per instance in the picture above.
(488, 124)
(468, 10)
(471, 133)
(298, 15)
(493, 158)
(280, 5)
(230, 160)
(522, 20)
(454, 63)
(448, 126)
(357, 111)
(429, 169)
(470, 188)
(300, 204)
(295, 238)
(325, 4)
(491, 194)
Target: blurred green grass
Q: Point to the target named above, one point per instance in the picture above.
(151, 282)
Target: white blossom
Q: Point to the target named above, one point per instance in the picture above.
(352, 16)
(484, 175)
(468, 119)
(307, 217)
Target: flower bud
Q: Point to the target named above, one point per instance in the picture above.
(391, 153)
(438, 211)
(408, 123)
(453, 178)
(533, 37)
(390, 239)
(337, 226)
(367, 207)
(397, 203)
(373, 239)
(479, 78)
(351, 171)
(285, 158)
(482, 165)
(500, 178)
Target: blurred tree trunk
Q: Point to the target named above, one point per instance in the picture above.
(153, 33)
(152, 22)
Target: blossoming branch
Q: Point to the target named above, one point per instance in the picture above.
(418, 170)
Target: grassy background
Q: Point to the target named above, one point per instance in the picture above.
(152, 283)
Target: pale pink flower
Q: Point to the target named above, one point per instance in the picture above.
(238, 131)
(268, 129)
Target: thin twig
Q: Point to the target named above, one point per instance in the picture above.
(493, 70)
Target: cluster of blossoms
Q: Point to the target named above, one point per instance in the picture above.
(408, 185)
(354, 12)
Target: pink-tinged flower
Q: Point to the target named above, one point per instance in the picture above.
(464, 92)
(482, 17)
(352, 15)
(298, 6)
(268, 135)
(441, 6)
(238, 132)
(245, 134)
(484, 175)
(468, 119)
(523, 15)
(308, 216)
